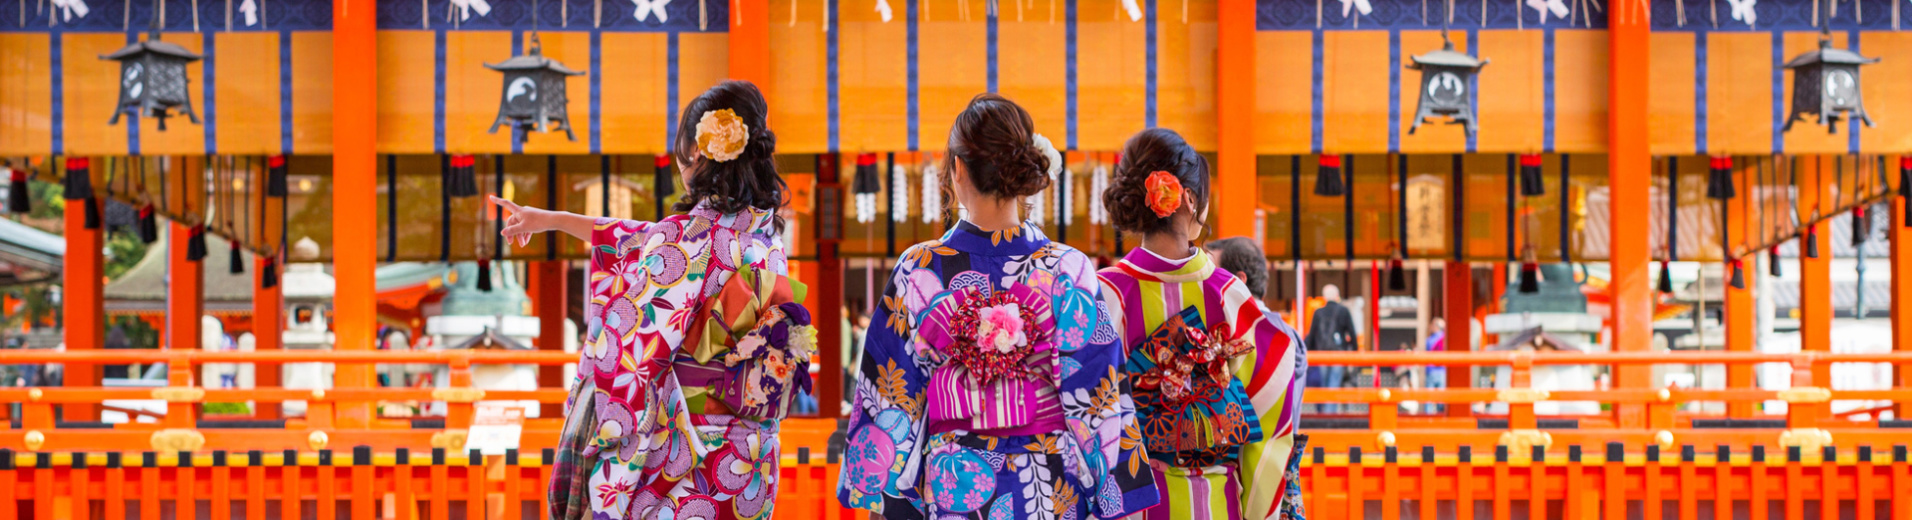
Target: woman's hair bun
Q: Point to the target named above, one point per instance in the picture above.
(1150, 151)
(993, 137)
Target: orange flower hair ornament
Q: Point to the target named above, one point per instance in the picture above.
(1163, 193)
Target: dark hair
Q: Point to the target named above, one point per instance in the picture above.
(751, 179)
(1150, 151)
(1240, 257)
(994, 138)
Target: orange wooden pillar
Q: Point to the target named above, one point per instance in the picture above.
(268, 332)
(829, 288)
(1815, 279)
(549, 298)
(1739, 306)
(1901, 237)
(1629, 174)
(1234, 203)
(185, 290)
(82, 301)
(354, 181)
(1458, 291)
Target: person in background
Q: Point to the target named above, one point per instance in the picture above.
(1214, 373)
(1436, 374)
(1331, 329)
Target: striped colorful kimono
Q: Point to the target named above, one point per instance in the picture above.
(683, 314)
(1156, 304)
(991, 388)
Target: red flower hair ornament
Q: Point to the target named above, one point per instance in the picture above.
(1163, 193)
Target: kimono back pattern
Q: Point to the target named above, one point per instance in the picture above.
(991, 388)
(1220, 457)
(682, 312)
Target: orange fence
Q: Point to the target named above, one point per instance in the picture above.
(1641, 457)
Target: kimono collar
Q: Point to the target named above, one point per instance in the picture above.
(748, 220)
(1143, 262)
(1020, 240)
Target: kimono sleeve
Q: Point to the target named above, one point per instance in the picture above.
(610, 319)
(1100, 413)
(880, 460)
(1274, 390)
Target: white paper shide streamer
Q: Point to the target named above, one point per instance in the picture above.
(1098, 183)
(250, 8)
(70, 9)
(899, 194)
(932, 195)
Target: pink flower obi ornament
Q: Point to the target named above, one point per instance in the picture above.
(997, 354)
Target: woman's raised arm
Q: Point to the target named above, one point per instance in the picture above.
(522, 222)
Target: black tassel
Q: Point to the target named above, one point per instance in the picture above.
(92, 209)
(79, 182)
(866, 180)
(1719, 180)
(269, 275)
(1666, 278)
(1812, 241)
(1397, 276)
(275, 176)
(148, 225)
(1772, 261)
(1739, 276)
(17, 199)
(464, 178)
(1531, 183)
(196, 243)
(238, 259)
(1861, 225)
(484, 274)
(1328, 177)
(1529, 278)
(666, 186)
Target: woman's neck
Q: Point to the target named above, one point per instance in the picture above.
(993, 214)
(1169, 245)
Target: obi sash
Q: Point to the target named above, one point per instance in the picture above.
(1194, 412)
(752, 349)
(996, 355)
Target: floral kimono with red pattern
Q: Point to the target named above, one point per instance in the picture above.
(684, 313)
(991, 388)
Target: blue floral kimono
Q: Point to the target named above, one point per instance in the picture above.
(992, 388)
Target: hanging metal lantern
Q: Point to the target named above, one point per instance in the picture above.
(534, 93)
(1826, 86)
(1445, 75)
(153, 80)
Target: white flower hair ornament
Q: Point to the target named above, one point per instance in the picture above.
(721, 135)
(1048, 149)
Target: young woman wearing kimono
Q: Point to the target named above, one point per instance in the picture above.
(1213, 371)
(694, 343)
(991, 383)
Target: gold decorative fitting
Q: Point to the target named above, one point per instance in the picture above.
(318, 393)
(1386, 438)
(1522, 441)
(179, 394)
(317, 440)
(1666, 395)
(35, 394)
(1664, 439)
(1386, 395)
(458, 395)
(1805, 395)
(1522, 396)
(450, 440)
(176, 440)
(1809, 440)
(35, 440)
